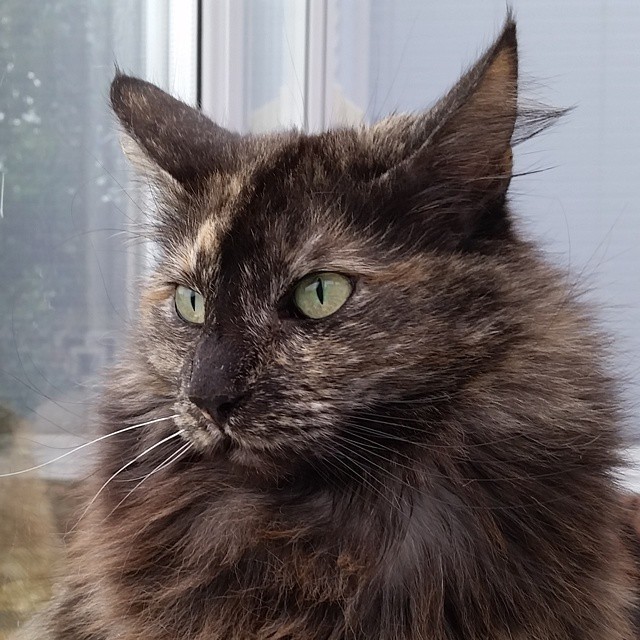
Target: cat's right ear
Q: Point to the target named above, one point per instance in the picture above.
(166, 138)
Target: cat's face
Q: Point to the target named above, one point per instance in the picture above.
(312, 287)
(267, 376)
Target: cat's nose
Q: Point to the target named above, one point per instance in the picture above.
(218, 377)
(219, 408)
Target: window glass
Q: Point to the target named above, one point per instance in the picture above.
(69, 254)
(254, 71)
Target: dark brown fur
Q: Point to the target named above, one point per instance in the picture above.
(432, 462)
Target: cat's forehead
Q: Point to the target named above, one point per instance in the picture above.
(280, 209)
(283, 205)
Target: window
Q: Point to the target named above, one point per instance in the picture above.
(68, 270)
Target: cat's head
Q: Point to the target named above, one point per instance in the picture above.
(312, 288)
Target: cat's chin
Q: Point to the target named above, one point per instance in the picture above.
(255, 460)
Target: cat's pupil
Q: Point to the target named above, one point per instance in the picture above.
(193, 300)
(320, 291)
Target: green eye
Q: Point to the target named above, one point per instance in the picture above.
(318, 295)
(189, 305)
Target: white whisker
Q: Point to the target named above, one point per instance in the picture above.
(172, 458)
(126, 466)
(162, 465)
(86, 444)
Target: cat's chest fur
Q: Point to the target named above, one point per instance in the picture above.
(386, 564)
(298, 564)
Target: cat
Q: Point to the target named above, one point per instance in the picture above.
(358, 403)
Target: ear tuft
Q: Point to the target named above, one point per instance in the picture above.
(466, 136)
(145, 167)
(176, 137)
(452, 164)
(471, 140)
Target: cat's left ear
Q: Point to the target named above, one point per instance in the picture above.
(168, 138)
(465, 139)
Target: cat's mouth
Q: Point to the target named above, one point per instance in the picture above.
(212, 439)
(201, 431)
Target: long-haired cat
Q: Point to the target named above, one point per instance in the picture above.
(358, 404)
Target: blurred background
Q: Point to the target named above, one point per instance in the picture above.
(70, 261)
